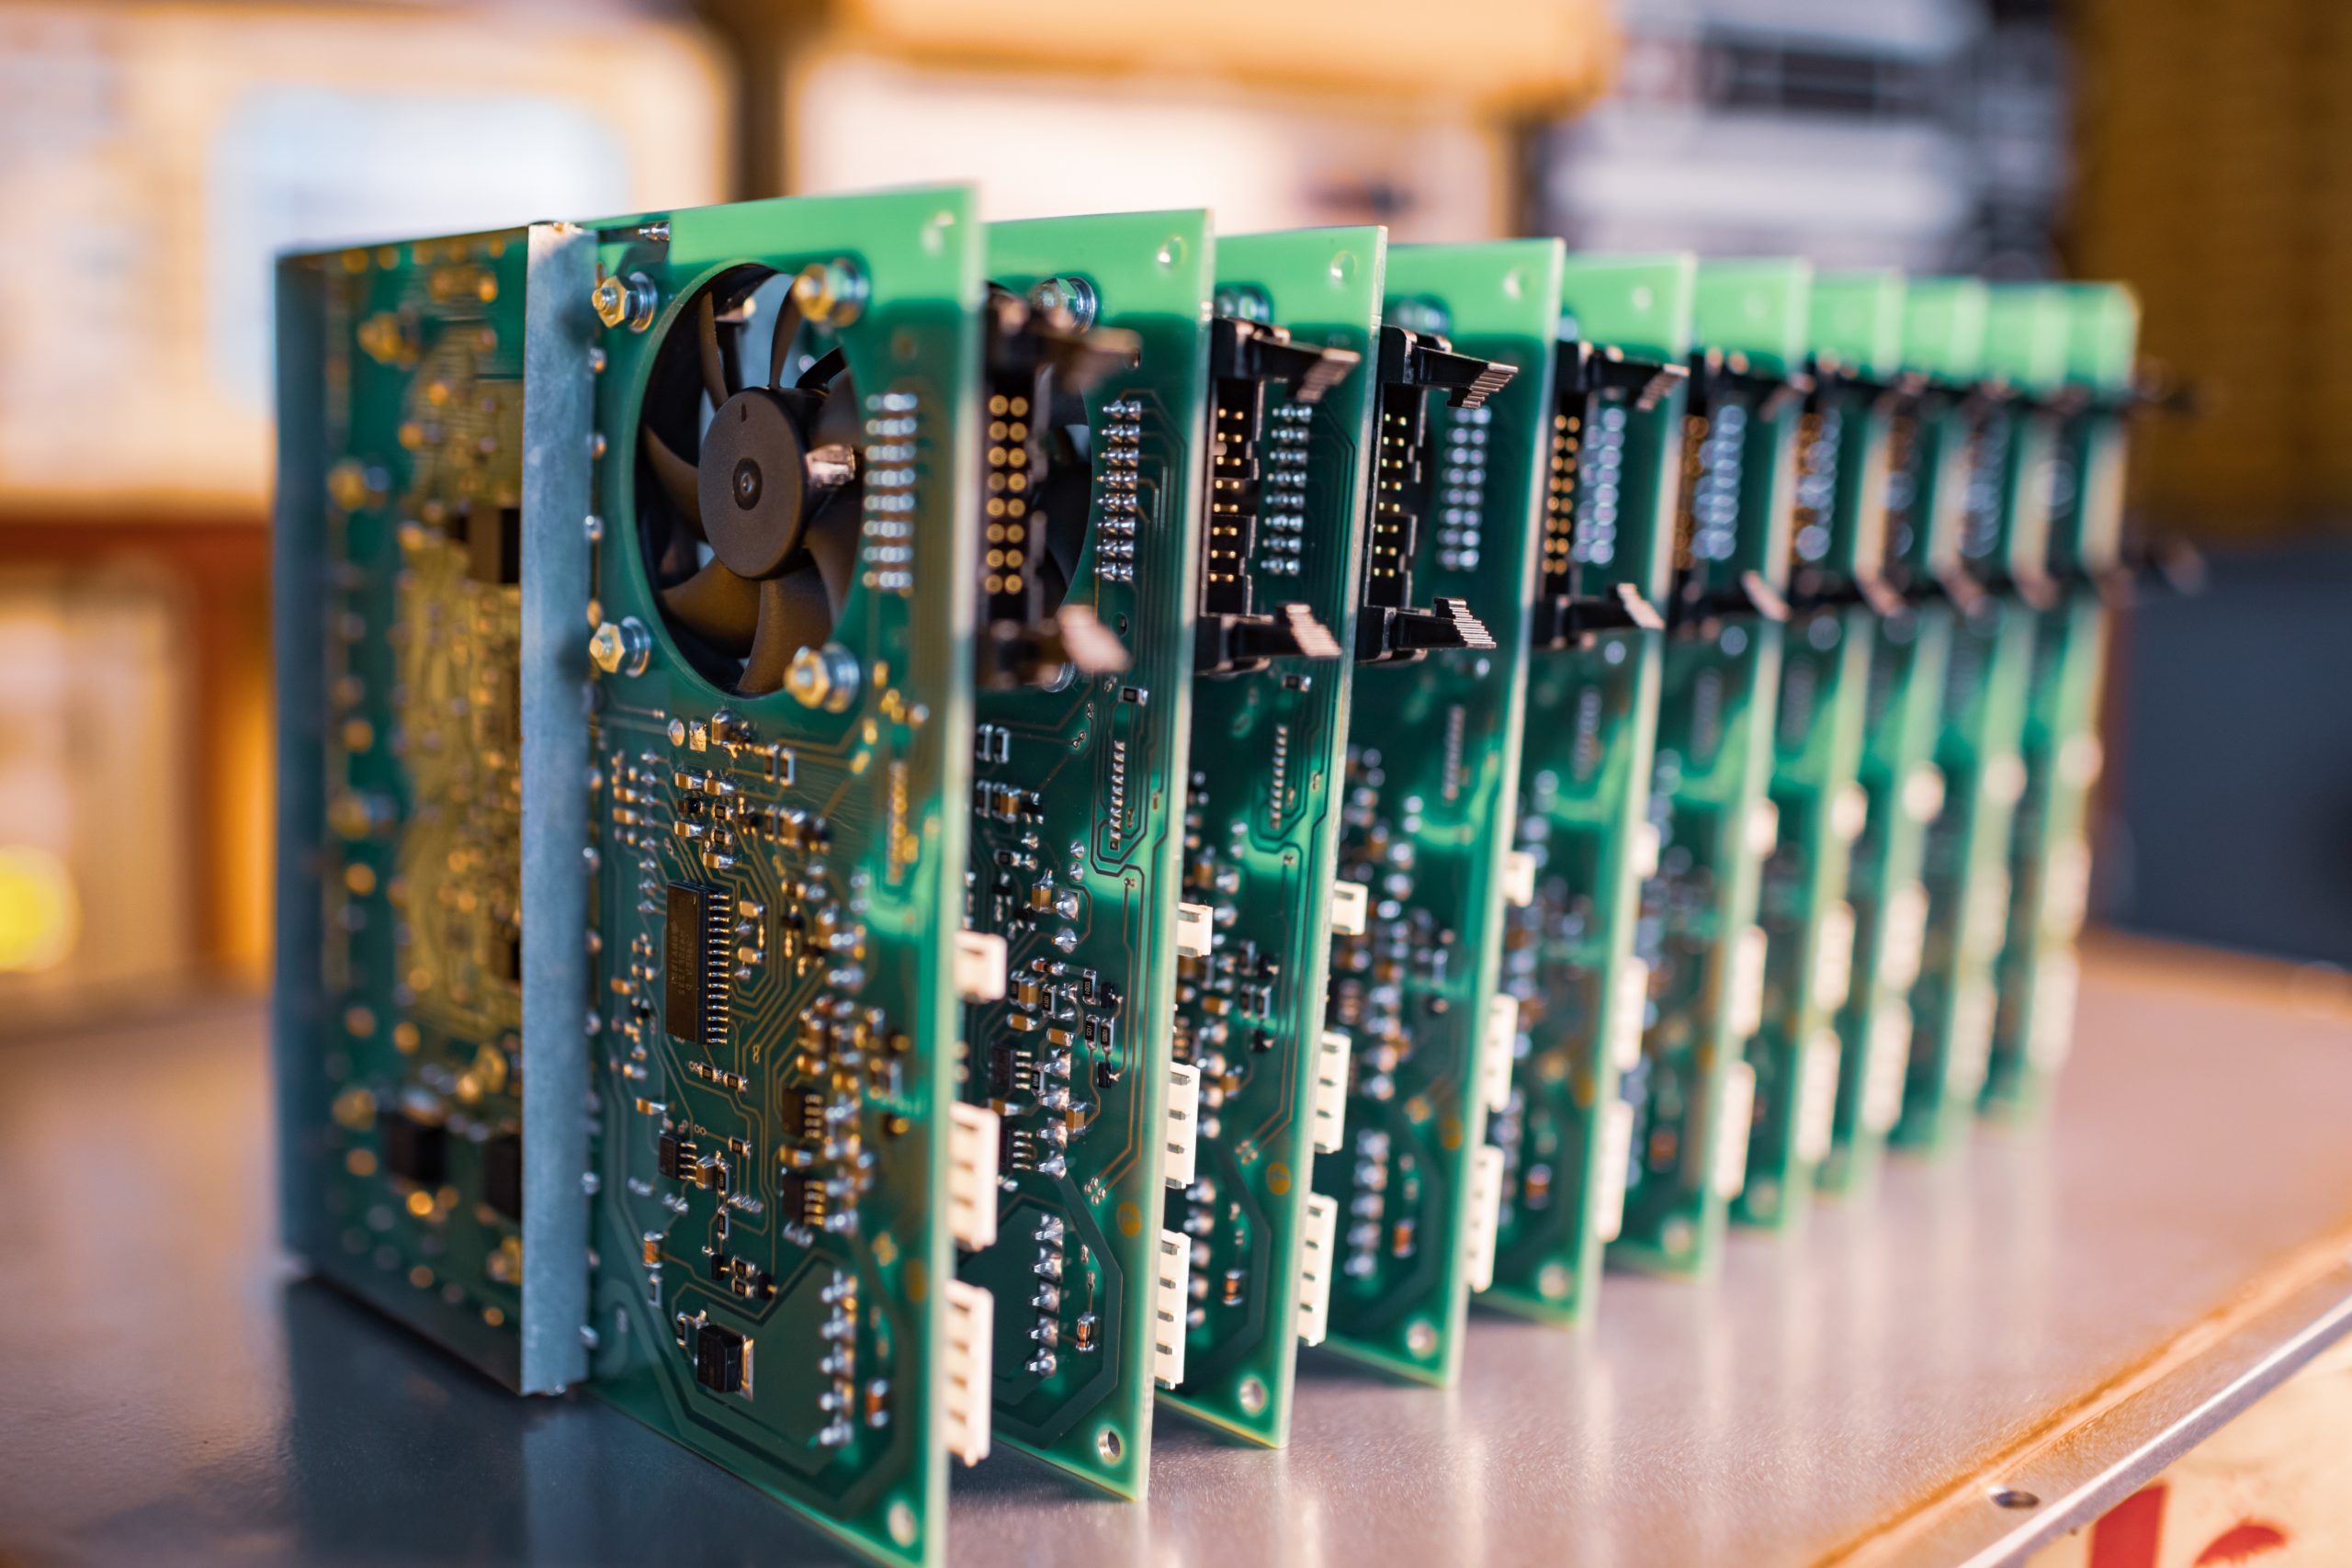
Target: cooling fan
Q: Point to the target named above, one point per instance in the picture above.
(750, 489)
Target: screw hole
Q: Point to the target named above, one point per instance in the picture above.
(1109, 1444)
(2014, 1497)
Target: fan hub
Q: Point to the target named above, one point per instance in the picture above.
(751, 478)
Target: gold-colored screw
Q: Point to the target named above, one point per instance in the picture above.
(625, 301)
(830, 294)
(823, 678)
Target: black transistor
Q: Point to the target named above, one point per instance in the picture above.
(414, 1150)
(721, 1359)
(502, 1175)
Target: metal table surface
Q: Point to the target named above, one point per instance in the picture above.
(1986, 1355)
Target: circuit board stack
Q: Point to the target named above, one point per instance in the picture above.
(902, 836)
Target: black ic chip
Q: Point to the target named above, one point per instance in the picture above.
(804, 1200)
(502, 1175)
(803, 1114)
(414, 1150)
(494, 546)
(694, 969)
(674, 1155)
(506, 954)
(721, 1358)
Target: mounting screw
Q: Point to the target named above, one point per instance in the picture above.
(629, 302)
(823, 678)
(830, 294)
(1069, 302)
(623, 649)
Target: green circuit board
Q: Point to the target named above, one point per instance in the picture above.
(788, 408)
(1076, 836)
(1709, 809)
(2050, 860)
(1928, 447)
(2048, 871)
(1604, 557)
(1837, 588)
(401, 1003)
(2003, 538)
(1289, 411)
(1433, 740)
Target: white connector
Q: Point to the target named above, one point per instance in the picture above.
(2058, 977)
(1987, 915)
(1498, 1047)
(1887, 1063)
(968, 1375)
(1745, 981)
(1969, 1051)
(1849, 812)
(1616, 1168)
(1903, 940)
(2081, 759)
(1180, 1151)
(1519, 878)
(1923, 793)
(1628, 1011)
(972, 1133)
(1321, 1235)
(1486, 1216)
(1817, 1097)
(2002, 779)
(1169, 1291)
(1351, 907)
(1833, 957)
(1196, 930)
(1647, 847)
(979, 966)
(2065, 891)
(1734, 1122)
(1328, 1105)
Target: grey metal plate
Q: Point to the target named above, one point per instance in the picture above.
(2059, 1311)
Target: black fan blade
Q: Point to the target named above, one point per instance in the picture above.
(680, 480)
(792, 616)
(821, 369)
(716, 606)
(788, 327)
(838, 421)
(714, 359)
(680, 559)
(1068, 496)
(832, 540)
(1052, 579)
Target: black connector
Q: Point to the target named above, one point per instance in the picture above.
(1254, 491)
(1390, 628)
(1039, 362)
(1572, 605)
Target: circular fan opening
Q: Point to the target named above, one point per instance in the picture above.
(750, 464)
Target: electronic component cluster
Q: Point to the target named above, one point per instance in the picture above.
(900, 835)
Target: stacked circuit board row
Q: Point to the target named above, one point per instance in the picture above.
(900, 836)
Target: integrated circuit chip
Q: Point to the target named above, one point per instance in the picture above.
(415, 1149)
(502, 1174)
(722, 1360)
(695, 980)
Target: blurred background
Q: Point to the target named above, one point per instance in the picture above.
(154, 156)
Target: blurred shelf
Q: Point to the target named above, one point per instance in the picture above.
(2041, 1323)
